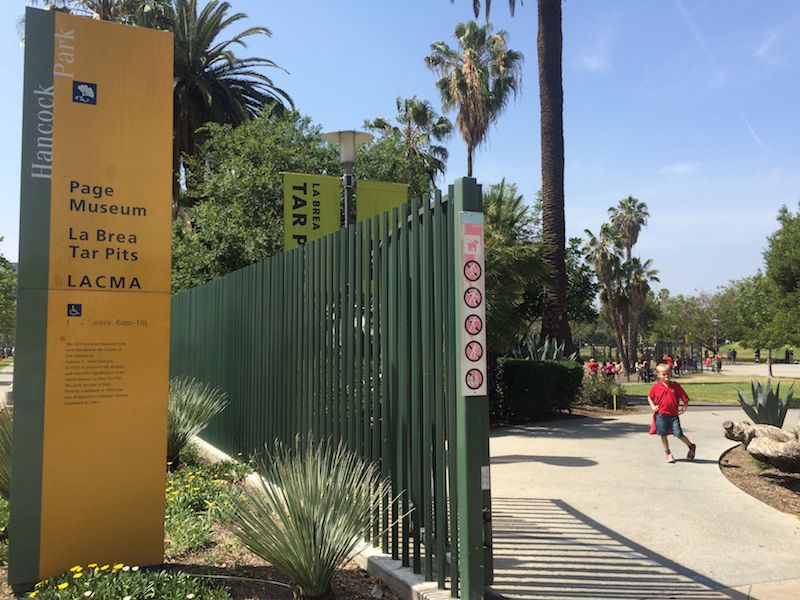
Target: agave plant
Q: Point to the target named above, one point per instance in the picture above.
(767, 407)
(310, 512)
(192, 404)
(549, 349)
(5, 452)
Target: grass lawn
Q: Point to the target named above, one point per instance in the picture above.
(712, 387)
(7, 361)
(746, 355)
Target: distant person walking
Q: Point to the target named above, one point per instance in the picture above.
(668, 400)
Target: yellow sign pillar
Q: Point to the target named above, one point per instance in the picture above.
(93, 352)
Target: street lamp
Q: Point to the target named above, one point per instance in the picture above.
(348, 142)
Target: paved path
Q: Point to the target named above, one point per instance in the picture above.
(749, 369)
(6, 377)
(587, 508)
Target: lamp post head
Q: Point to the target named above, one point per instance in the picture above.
(348, 141)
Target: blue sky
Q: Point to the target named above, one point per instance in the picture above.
(689, 105)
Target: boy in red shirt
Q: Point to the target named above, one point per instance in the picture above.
(665, 398)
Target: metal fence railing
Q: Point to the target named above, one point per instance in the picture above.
(354, 337)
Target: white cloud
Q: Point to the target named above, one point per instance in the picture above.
(683, 168)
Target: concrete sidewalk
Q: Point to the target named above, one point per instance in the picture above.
(587, 508)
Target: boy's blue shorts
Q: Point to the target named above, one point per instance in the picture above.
(664, 422)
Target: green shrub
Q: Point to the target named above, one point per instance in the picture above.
(107, 582)
(600, 391)
(6, 426)
(526, 390)
(311, 511)
(192, 405)
(768, 407)
(194, 495)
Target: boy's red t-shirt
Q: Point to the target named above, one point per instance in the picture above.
(667, 397)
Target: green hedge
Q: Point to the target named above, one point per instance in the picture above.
(525, 390)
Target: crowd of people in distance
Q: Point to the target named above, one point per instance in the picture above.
(608, 369)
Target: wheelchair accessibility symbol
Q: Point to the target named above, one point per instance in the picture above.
(74, 310)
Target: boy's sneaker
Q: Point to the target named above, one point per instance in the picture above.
(692, 450)
(670, 459)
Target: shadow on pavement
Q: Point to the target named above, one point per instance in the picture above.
(544, 548)
(559, 461)
(574, 428)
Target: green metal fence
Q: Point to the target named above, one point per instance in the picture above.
(353, 337)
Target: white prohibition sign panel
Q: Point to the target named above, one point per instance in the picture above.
(472, 307)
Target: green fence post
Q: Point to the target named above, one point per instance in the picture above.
(472, 424)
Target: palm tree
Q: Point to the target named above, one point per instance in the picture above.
(478, 79)
(637, 276)
(211, 83)
(419, 129)
(551, 101)
(628, 218)
(512, 262)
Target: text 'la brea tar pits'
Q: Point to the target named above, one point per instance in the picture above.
(102, 243)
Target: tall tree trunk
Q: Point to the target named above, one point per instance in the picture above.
(470, 151)
(551, 99)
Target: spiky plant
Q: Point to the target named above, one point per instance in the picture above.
(549, 349)
(5, 452)
(767, 406)
(310, 512)
(192, 404)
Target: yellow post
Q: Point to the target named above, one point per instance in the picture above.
(615, 402)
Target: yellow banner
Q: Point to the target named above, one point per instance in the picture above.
(103, 467)
(375, 197)
(312, 208)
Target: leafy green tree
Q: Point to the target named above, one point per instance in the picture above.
(759, 315)
(478, 79)
(212, 84)
(8, 300)
(386, 159)
(421, 131)
(236, 217)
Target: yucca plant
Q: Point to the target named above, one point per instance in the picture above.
(192, 404)
(310, 512)
(767, 407)
(5, 452)
(530, 348)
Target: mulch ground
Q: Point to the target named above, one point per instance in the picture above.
(779, 490)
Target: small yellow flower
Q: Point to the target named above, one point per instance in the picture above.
(76, 569)
(104, 567)
(33, 594)
(92, 565)
(77, 575)
(63, 586)
(118, 566)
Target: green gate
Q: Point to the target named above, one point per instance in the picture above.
(356, 337)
